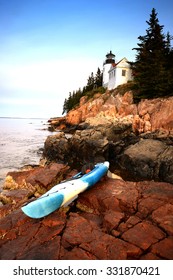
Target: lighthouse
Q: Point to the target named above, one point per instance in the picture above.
(109, 61)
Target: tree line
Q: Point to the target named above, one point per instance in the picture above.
(94, 82)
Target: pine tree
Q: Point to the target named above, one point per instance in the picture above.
(150, 68)
(98, 78)
(90, 83)
(64, 106)
(169, 63)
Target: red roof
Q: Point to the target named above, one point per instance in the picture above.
(114, 64)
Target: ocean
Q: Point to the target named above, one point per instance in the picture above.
(21, 143)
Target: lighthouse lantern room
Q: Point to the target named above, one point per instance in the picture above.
(110, 60)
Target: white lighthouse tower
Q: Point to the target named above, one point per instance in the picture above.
(110, 59)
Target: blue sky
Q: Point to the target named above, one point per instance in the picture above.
(49, 47)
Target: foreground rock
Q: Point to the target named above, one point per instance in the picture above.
(148, 159)
(113, 220)
(20, 186)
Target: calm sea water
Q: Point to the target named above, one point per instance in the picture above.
(21, 141)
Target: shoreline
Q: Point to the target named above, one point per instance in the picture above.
(21, 140)
(23, 118)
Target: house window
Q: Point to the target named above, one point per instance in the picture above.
(124, 73)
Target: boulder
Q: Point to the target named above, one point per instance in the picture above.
(56, 147)
(90, 144)
(148, 159)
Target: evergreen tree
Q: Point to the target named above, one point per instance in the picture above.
(64, 106)
(150, 68)
(90, 83)
(169, 63)
(98, 78)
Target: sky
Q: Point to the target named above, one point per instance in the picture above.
(49, 48)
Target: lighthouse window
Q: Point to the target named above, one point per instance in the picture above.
(124, 73)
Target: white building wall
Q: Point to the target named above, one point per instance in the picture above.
(112, 78)
(106, 69)
(121, 79)
(118, 78)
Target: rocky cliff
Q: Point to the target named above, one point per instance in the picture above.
(137, 139)
(146, 116)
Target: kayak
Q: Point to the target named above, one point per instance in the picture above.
(65, 192)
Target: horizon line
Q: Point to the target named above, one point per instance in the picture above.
(23, 117)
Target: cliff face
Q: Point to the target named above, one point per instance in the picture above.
(147, 116)
(137, 139)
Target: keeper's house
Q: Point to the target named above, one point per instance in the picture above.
(115, 73)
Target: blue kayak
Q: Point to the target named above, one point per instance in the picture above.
(64, 193)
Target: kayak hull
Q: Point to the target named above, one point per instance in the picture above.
(64, 193)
